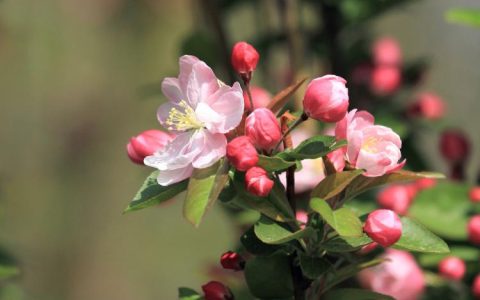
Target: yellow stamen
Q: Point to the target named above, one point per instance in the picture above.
(182, 119)
(370, 144)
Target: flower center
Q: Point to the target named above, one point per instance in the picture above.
(183, 119)
(370, 144)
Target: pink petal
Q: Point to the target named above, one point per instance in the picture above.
(171, 89)
(214, 148)
(186, 63)
(168, 177)
(201, 84)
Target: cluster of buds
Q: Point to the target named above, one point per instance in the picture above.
(386, 75)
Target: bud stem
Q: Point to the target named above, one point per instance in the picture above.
(297, 122)
(249, 93)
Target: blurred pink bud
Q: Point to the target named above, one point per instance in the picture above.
(257, 182)
(452, 267)
(368, 248)
(244, 58)
(454, 146)
(425, 183)
(232, 261)
(387, 52)
(397, 197)
(241, 153)
(474, 194)
(262, 127)
(215, 290)
(302, 217)
(428, 106)
(147, 143)
(326, 98)
(337, 158)
(473, 229)
(383, 226)
(476, 287)
(260, 98)
(399, 276)
(385, 80)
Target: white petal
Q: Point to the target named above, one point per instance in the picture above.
(214, 149)
(171, 89)
(169, 177)
(201, 84)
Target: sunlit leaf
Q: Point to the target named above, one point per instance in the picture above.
(334, 184)
(415, 237)
(274, 233)
(343, 220)
(469, 17)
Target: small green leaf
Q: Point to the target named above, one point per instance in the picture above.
(273, 163)
(254, 245)
(346, 244)
(334, 184)
(269, 277)
(314, 267)
(357, 294)
(270, 232)
(415, 237)
(204, 187)
(188, 294)
(313, 147)
(343, 220)
(469, 17)
(151, 193)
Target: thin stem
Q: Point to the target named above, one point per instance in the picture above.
(249, 94)
(297, 122)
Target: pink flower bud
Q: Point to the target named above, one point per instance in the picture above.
(147, 143)
(215, 290)
(386, 51)
(473, 229)
(244, 58)
(454, 146)
(302, 217)
(397, 197)
(257, 182)
(260, 98)
(263, 129)
(428, 106)
(241, 153)
(384, 227)
(476, 287)
(232, 261)
(425, 183)
(474, 194)
(385, 80)
(337, 158)
(326, 98)
(452, 267)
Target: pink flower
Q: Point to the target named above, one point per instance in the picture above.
(241, 153)
(385, 80)
(146, 143)
(326, 98)
(257, 182)
(473, 229)
(399, 276)
(244, 58)
(397, 197)
(262, 127)
(260, 98)
(337, 158)
(383, 226)
(428, 106)
(215, 290)
(201, 109)
(374, 148)
(386, 51)
(452, 267)
(474, 194)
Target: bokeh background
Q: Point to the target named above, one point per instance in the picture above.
(79, 78)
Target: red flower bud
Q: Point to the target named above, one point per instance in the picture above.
(147, 143)
(476, 287)
(425, 183)
(385, 80)
(474, 194)
(260, 98)
(428, 106)
(397, 197)
(262, 127)
(215, 290)
(257, 182)
(326, 98)
(473, 229)
(452, 267)
(386, 51)
(384, 227)
(241, 153)
(244, 58)
(454, 146)
(232, 261)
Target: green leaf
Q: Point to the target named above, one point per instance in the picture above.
(444, 209)
(254, 245)
(204, 187)
(348, 271)
(415, 237)
(334, 184)
(269, 277)
(8, 271)
(270, 232)
(357, 294)
(313, 147)
(343, 220)
(346, 244)
(273, 163)
(465, 253)
(314, 267)
(151, 193)
(469, 17)
(188, 294)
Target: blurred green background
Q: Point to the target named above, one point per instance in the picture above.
(72, 92)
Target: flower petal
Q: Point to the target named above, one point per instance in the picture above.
(201, 84)
(171, 89)
(168, 177)
(214, 148)
(186, 63)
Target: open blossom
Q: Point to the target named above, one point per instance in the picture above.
(399, 276)
(374, 148)
(200, 110)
